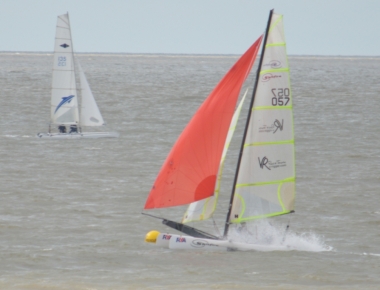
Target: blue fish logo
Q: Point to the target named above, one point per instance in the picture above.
(64, 45)
(64, 101)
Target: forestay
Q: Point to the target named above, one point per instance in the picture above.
(266, 180)
(64, 100)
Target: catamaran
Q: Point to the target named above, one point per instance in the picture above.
(65, 114)
(264, 182)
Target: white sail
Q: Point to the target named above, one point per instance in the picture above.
(266, 181)
(89, 114)
(204, 209)
(64, 99)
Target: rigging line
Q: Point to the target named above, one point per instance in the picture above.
(153, 216)
(285, 232)
(216, 227)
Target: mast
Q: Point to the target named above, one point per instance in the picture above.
(227, 224)
(73, 60)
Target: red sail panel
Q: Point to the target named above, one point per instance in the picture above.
(189, 172)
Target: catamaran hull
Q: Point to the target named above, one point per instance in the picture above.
(83, 135)
(178, 242)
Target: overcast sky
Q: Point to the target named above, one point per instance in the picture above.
(312, 27)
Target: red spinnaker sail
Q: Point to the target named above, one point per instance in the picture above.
(189, 172)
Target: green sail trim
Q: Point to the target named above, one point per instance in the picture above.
(286, 69)
(275, 23)
(273, 108)
(290, 179)
(276, 44)
(279, 196)
(269, 143)
(284, 210)
(241, 220)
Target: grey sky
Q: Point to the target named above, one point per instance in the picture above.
(312, 27)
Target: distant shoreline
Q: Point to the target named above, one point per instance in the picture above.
(127, 54)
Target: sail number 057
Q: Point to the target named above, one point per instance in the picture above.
(281, 97)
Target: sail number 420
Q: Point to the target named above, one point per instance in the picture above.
(281, 97)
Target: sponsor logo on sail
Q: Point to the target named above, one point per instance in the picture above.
(272, 128)
(278, 125)
(267, 77)
(166, 237)
(180, 240)
(273, 64)
(263, 162)
(65, 100)
(266, 163)
(64, 45)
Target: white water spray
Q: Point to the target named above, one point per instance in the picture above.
(277, 236)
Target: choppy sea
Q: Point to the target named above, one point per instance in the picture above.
(70, 210)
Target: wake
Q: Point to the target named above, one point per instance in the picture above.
(278, 237)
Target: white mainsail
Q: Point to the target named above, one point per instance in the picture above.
(204, 209)
(64, 99)
(266, 180)
(89, 114)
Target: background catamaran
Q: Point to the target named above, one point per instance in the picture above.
(65, 114)
(264, 183)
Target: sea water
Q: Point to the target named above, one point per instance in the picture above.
(70, 210)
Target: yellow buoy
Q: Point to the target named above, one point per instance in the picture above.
(151, 237)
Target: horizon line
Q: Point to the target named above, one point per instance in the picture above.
(181, 54)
